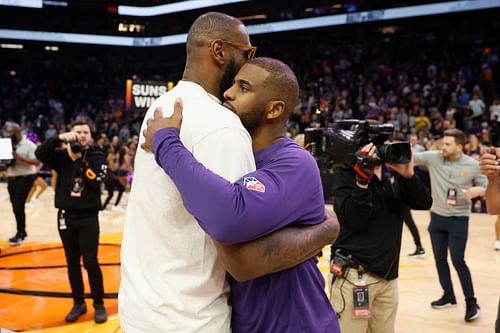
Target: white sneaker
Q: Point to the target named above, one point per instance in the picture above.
(103, 213)
(497, 245)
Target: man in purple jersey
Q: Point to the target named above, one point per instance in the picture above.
(285, 190)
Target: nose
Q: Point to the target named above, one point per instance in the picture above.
(228, 95)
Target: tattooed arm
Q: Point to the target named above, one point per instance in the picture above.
(278, 251)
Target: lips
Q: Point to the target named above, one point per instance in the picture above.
(227, 105)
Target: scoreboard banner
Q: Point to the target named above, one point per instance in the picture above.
(139, 95)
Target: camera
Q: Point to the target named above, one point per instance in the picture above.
(76, 147)
(338, 145)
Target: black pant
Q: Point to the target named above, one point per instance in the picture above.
(410, 223)
(19, 189)
(451, 232)
(80, 238)
(112, 182)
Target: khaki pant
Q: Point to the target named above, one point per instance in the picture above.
(383, 298)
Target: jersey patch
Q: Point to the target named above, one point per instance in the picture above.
(254, 184)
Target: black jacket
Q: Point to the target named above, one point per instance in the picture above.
(90, 169)
(371, 220)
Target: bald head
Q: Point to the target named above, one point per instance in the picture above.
(217, 46)
(281, 83)
(212, 26)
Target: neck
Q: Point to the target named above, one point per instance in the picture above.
(455, 156)
(263, 137)
(207, 79)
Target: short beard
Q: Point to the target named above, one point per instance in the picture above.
(253, 119)
(228, 75)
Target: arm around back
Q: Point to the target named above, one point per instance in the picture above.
(278, 251)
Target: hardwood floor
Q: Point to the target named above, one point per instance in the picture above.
(418, 281)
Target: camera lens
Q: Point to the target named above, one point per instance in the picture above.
(399, 152)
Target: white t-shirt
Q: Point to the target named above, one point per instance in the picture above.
(25, 149)
(171, 277)
(477, 106)
(495, 112)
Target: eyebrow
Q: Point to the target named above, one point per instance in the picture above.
(243, 81)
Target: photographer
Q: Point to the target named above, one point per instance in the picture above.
(81, 169)
(370, 201)
(21, 174)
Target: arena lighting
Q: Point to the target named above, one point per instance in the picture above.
(51, 48)
(172, 7)
(11, 46)
(22, 3)
(253, 17)
(55, 3)
(131, 27)
(262, 28)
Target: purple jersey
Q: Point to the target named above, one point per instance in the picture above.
(284, 190)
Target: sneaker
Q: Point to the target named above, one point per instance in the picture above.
(17, 239)
(472, 311)
(77, 310)
(419, 252)
(103, 213)
(100, 315)
(497, 245)
(444, 302)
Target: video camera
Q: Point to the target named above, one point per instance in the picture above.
(338, 145)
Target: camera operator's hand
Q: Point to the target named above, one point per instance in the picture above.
(68, 137)
(159, 122)
(405, 170)
(365, 164)
(488, 163)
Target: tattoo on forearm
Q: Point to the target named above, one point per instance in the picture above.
(272, 248)
(288, 249)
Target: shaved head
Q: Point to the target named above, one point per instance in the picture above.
(281, 84)
(211, 26)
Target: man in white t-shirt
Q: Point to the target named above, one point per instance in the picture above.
(495, 111)
(172, 279)
(20, 174)
(477, 106)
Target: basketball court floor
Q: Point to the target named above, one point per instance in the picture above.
(35, 293)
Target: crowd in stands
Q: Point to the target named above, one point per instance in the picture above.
(422, 85)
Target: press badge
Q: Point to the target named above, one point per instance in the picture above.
(360, 300)
(77, 188)
(62, 221)
(451, 197)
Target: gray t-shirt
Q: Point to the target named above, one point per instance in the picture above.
(449, 175)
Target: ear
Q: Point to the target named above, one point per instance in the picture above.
(275, 109)
(217, 51)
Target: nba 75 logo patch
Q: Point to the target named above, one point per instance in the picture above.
(254, 184)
